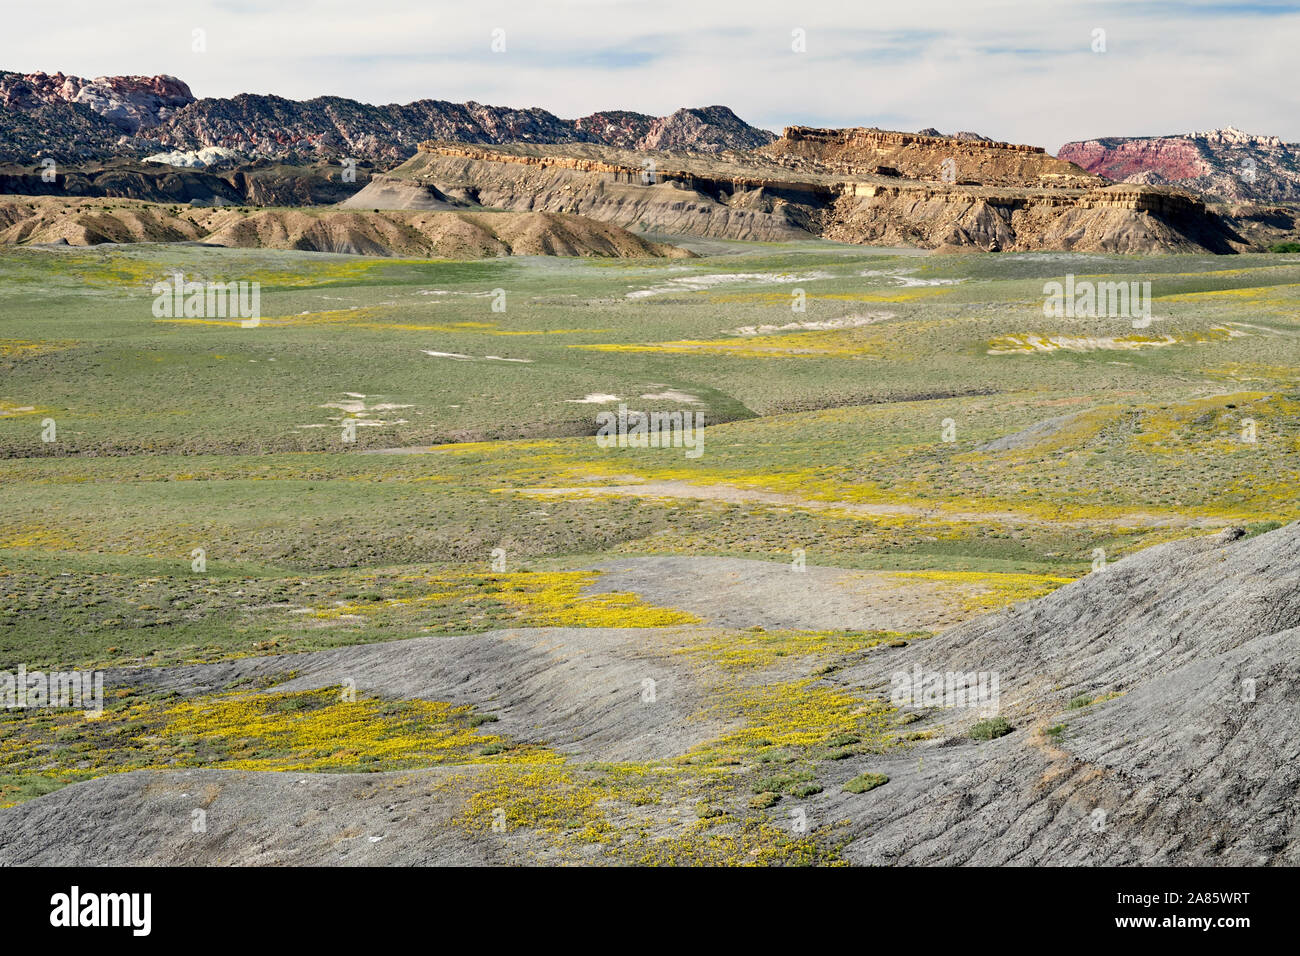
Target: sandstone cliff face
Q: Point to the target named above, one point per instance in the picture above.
(1120, 219)
(1226, 165)
(763, 195)
(925, 157)
(609, 190)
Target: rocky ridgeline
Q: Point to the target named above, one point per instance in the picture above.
(632, 172)
(888, 190)
(129, 103)
(74, 119)
(872, 138)
(967, 159)
(1224, 165)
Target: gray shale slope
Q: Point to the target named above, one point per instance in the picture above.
(1183, 767)
(1189, 754)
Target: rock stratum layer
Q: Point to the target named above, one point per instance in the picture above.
(860, 186)
(920, 156)
(1226, 165)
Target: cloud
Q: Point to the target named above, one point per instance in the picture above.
(1023, 71)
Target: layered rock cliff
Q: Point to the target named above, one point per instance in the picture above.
(952, 159)
(768, 195)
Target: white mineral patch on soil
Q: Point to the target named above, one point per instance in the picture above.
(702, 282)
(1028, 344)
(462, 357)
(819, 325)
(906, 279)
(673, 395)
(360, 407)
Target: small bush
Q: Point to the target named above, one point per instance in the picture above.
(786, 783)
(1260, 527)
(868, 781)
(1285, 247)
(990, 728)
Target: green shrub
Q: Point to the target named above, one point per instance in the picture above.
(990, 728)
(1260, 527)
(868, 781)
(787, 782)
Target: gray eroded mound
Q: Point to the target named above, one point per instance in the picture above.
(251, 819)
(737, 592)
(1185, 767)
(1027, 437)
(575, 688)
(1185, 659)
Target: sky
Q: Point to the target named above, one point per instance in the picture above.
(1042, 72)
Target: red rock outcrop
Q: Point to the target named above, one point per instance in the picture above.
(1225, 164)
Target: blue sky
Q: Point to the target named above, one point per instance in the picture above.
(1020, 70)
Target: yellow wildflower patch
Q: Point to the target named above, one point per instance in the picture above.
(989, 591)
(25, 349)
(523, 599)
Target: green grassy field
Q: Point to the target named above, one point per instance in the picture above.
(176, 435)
(854, 430)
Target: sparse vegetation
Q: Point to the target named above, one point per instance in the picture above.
(990, 728)
(314, 544)
(865, 782)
